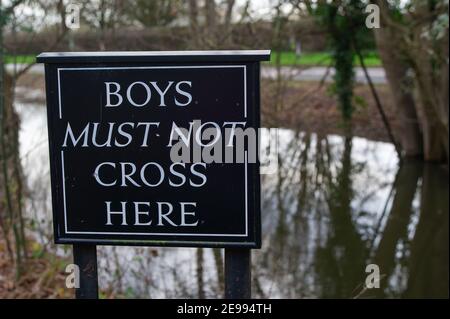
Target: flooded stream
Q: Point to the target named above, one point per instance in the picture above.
(333, 206)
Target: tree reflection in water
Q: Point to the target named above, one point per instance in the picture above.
(333, 206)
(338, 204)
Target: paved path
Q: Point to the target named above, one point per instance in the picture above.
(297, 74)
(317, 73)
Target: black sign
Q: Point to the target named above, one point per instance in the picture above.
(140, 147)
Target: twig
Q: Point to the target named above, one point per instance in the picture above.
(377, 101)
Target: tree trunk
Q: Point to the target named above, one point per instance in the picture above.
(396, 228)
(227, 37)
(412, 46)
(193, 23)
(211, 24)
(408, 131)
(211, 14)
(428, 261)
(431, 77)
(200, 275)
(10, 181)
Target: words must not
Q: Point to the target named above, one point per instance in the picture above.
(117, 123)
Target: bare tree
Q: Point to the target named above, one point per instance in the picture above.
(12, 187)
(152, 13)
(193, 22)
(104, 16)
(211, 24)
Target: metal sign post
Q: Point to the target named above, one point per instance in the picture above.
(85, 257)
(237, 273)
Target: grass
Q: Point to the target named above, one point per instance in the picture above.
(26, 59)
(371, 59)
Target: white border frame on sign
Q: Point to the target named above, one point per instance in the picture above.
(244, 67)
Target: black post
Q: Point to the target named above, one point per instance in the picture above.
(85, 257)
(237, 273)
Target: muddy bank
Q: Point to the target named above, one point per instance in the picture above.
(311, 107)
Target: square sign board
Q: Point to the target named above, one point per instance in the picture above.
(137, 143)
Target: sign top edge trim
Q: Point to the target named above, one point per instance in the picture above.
(153, 56)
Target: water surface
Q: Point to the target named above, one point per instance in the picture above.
(333, 206)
